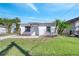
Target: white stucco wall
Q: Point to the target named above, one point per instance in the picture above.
(22, 29)
(77, 23)
(13, 28)
(33, 31)
(3, 30)
(52, 29)
(42, 30)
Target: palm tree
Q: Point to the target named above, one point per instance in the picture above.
(61, 25)
(17, 22)
(57, 22)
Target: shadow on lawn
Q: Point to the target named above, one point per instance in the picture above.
(5, 51)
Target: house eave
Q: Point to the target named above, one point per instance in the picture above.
(73, 20)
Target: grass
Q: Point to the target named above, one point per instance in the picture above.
(57, 46)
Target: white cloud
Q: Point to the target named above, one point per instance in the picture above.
(33, 7)
(24, 5)
(32, 17)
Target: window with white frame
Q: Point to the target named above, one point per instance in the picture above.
(48, 29)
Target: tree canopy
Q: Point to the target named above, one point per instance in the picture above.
(61, 25)
(8, 23)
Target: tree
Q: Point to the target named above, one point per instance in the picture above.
(1, 21)
(17, 22)
(8, 23)
(61, 25)
(57, 25)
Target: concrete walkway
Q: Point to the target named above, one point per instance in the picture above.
(5, 37)
(24, 37)
(17, 36)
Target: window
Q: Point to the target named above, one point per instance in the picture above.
(27, 29)
(48, 29)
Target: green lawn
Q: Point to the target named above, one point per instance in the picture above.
(57, 46)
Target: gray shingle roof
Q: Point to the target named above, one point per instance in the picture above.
(38, 24)
(73, 20)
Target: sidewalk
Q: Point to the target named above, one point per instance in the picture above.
(5, 37)
(16, 36)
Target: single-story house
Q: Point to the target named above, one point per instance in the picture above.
(3, 29)
(38, 29)
(74, 26)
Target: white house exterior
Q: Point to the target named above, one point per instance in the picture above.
(3, 30)
(38, 29)
(74, 26)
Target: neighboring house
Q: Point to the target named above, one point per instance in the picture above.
(74, 26)
(38, 29)
(3, 29)
(13, 28)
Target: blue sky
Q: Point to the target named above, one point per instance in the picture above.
(39, 12)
